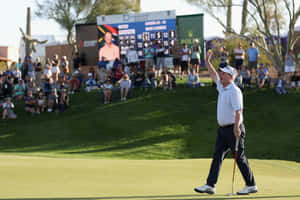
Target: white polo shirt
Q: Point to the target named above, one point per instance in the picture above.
(230, 100)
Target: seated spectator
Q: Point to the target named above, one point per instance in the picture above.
(19, 90)
(262, 76)
(41, 103)
(239, 80)
(63, 101)
(7, 86)
(125, 84)
(102, 76)
(74, 83)
(127, 69)
(30, 102)
(295, 80)
(90, 83)
(246, 76)
(8, 107)
(151, 76)
(279, 85)
(107, 91)
(172, 79)
(139, 79)
(30, 86)
(17, 74)
(119, 73)
(47, 86)
(52, 101)
(193, 80)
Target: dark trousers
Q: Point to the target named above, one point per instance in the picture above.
(225, 142)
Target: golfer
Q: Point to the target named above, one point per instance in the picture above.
(231, 128)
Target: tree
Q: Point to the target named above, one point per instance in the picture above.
(109, 7)
(268, 18)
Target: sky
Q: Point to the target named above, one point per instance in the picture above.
(13, 16)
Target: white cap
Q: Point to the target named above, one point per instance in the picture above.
(90, 74)
(228, 69)
(196, 40)
(64, 57)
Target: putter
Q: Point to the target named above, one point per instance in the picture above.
(234, 164)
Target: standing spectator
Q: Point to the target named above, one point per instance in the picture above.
(19, 90)
(30, 68)
(64, 66)
(195, 56)
(185, 54)
(19, 65)
(193, 80)
(48, 69)
(30, 103)
(76, 62)
(252, 54)
(7, 86)
(175, 51)
(107, 90)
(47, 86)
(132, 57)
(160, 55)
(223, 57)
(41, 103)
(280, 85)
(55, 69)
(289, 62)
(90, 83)
(239, 55)
(8, 107)
(125, 85)
(149, 54)
(38, 72)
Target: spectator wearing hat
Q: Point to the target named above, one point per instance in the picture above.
(90, 83)
(195, 55)
(125, 85)
(8, 107)
(252, 54)
(193, 80)
(19, 90)
(107, 91)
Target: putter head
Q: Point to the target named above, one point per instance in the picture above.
(230, 194)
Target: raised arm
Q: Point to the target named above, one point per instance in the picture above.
(212, 72)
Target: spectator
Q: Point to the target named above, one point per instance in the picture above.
(7, 86)
(149, 54)
(132, 57)
(262, 76)
(63, 101)
(30, 103)
(239, 55)
(52, 101)
(280, 85)
(30, 68)
(252, 54)
(139, 79)
(38, 71)
(160, 56)
(152, 77)
(17, 75)
(238, 80)
(55, 68)
(48, 69)
(64, 66)
(102, 76)
(195, 56)
(76, 62)
(295, 80)
(193, 80)
(246, 76)
(19, 90)
(223, 57)
(90, 83)
(107, 90)
(125, 85)
(30, 86)
(119, 73)
(289, 62)
(47, 86)
(41, 103)
(8, 107)
(19, 65)
(127, 70)
(175, 52)
(185, 54)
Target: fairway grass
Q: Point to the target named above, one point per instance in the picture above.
(24, 178)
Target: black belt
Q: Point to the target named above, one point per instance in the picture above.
(227, 126)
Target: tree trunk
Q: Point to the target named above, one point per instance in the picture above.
(229, 16)
(244, 17)
(28, 32)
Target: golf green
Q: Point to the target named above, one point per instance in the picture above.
(92, 179)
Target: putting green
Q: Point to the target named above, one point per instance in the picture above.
(91, 179)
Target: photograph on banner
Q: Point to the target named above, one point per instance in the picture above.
(108, 43)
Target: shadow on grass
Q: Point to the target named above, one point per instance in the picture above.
(164, 197)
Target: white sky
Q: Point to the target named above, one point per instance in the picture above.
(13, 16)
